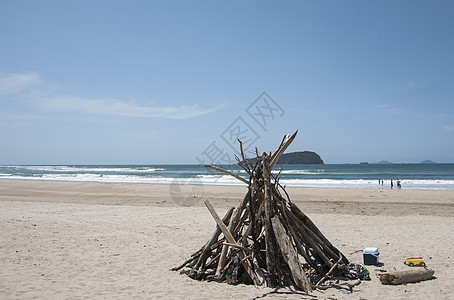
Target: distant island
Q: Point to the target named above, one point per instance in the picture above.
(427, 161)
(300, 158)
(385, 162)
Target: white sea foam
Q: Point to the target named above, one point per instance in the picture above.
(362, 183)
(64, 169)
(192, 175)
(290, 172)
(301, 172)
(219, 180)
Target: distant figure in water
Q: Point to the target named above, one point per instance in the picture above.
(392, 183)
(398, 184)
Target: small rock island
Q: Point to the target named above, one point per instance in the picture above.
(300, 158)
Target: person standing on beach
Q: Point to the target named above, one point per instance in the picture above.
(392, 183)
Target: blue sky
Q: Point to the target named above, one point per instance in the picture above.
(158, 82)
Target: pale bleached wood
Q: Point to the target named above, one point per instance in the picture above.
(298, 242)
(226, 172)
(269, 235)
(232, 224)
(321, 243)
(238, 246)
(330, 272)
(308, 222)
(278, 153)
(412, 275)
(244, 163)
(185, 263)
(207, 248)
(245, 262)
(290, 256)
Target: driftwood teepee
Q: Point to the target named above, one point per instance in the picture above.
(267, 239)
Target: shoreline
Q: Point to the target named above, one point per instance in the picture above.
(195, 181)
(351, 187)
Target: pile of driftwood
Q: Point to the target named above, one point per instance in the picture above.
(267, 239)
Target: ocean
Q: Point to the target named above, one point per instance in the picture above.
(411, 176)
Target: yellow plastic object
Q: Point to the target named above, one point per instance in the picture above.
(415, 261)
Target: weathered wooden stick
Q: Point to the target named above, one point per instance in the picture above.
(350, 286)
(212, 261)
(245, 161)
(312, 234)
(226, 172)
(250, 230)
(406, 276)
(207, 248)
(217, 244)
(329, 272)
(298, 243)
(276, 155)
(238, 246)
(308, 222)
(233, 222)
(353, 284)
(232, 272)
(184, 264)
(193, 257)
(322, 244)
(299, 277)
(221, 224)
(284, 140)
(303, 252)
(309, 236)
(269, 236)
(244, 167)
(307, 239)
(246, 264)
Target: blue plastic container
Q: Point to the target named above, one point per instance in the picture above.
(370, 256)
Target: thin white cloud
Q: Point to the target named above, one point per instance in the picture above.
(388, 109)
(14, 83)
(32, 89)
(119, 108)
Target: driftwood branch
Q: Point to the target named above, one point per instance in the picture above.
(231, 240)
(290, 256)
(233, 222)
(269, 235)
(413, 275)
(276, 155)
(226, 172)
(207, 249)
(330, 272)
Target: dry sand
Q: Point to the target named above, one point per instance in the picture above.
(118, 241)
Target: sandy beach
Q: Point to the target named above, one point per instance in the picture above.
(62, 240)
